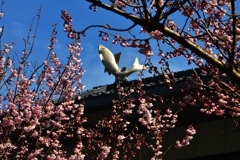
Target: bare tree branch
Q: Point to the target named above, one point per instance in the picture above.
(132, 17)
(146, 13)
(109, 28)
(176, 7)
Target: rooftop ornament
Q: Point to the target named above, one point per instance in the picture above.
(111, 63)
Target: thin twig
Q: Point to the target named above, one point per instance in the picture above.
(134, 6)
(109, 28)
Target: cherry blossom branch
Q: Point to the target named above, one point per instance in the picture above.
(35, 31)
(216, 5)
(206, 29)
(26, 42)
(228, 91)
(231, 89)
(2, 28)
(234, 74)
(134, 6)
(1, 35)
(1, 11)
(234, 42)
(132, 17)
(186, 140)
(167, 150)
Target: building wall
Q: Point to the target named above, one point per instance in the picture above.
(212, 138)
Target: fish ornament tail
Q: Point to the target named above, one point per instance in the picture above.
(138, 66)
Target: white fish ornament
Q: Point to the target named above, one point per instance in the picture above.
(111, 62)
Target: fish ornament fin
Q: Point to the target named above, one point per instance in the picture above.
(101, 57)
(117, 57)
(105, 70)
(136, 63)
(123, 69)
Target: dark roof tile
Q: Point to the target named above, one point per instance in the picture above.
(149, 83)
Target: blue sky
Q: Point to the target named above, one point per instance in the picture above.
(17, 18)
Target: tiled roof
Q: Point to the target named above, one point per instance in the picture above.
(150, 82)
